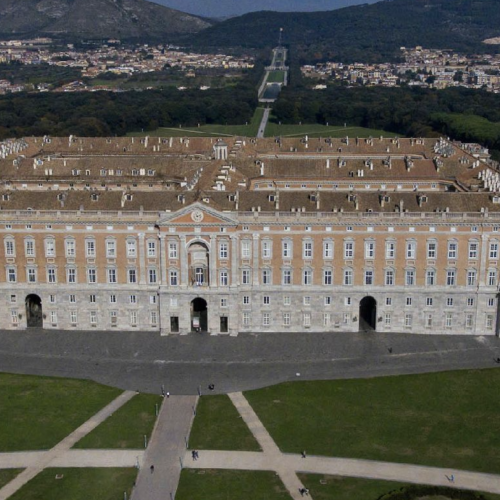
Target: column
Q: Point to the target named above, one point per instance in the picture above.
(212, 261)
(256, 253)
(184, 262)
(234, 260)
(142, 259)
(482, 271)
(163, 260)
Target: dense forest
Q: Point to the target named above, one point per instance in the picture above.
(464, 114)
(365, 33)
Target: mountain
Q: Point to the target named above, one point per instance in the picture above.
(366, 32)
(95, 19)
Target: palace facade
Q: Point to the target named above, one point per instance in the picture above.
(172, 235)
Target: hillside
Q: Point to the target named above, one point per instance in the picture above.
(94, 19)
(366, 32)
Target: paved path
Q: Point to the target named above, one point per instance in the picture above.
(48, 458)
(166, 449)
(263, 123)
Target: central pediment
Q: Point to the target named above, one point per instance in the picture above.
(198, 214)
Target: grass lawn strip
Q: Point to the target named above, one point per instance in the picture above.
(78, 484)
(7, 475)
(229, 485)
(38, 412)
(273, 129)
(350, 488)
(449, 419)
(218, 426)
(276, 76)
(127, 427)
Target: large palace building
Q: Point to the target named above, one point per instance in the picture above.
(172, 235)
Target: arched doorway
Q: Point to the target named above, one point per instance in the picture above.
(198, 261)
(34, 317)
(199, 316)
(367, 314)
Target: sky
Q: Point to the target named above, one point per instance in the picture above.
(225, 8)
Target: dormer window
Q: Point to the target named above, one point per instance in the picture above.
(128, 197)
(151, 172)
(94, 196)
(5, 197)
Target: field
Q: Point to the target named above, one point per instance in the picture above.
(273, 129)
(276, 77)
(447, 419)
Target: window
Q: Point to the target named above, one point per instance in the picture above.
(92, 299)
(113, 318)
(11, 275)
(327, 301)
(491, 302)
(326, 319)
(110, 249)
(223, 250)
(131, 249)
(449, 302)
(430, 277)
(53, 317)
(14, 318)
(72, 298)
(246, 249)
(71, 275)
(267, 249)
(132, 275)
(173, 278)
(246, 319)
(327, 277)
(287, 249)
(345, 318)
(431, 249)
(173, 252)
(348, 277)
(50, 247)
(286, 277)
(223, 278)
(409, 301)
(489, 321)
(348, 249)
(287, 319)
(91, 275)
(223, 302)
(410, 277)
(451, 277)
(112, 275)
(387, 319)
(470, 301)
(30, 247)
(429, 301)
(471, 277)
(328, 250)
(369, 249)
(492, 277)
(13, 299)
(266, 300)
(448, 321)
(411, 249)
(151, 248)
(452, 250)
(389, 277)
(152, 275)
(90, 248)
(10, 248)
(266, 277)
(428, 320)
(93, 318)
(408, 320)
(307, 319)
(133, 318)
(494, 250)
(307, 250)
(245, 277)
(112, 299)
(73, 317)
(369, 277)
(52, 299)
(51, 275)
(307, 300)
(153, 299)
(31, 274)
(266, 319)
(246, 300)
(473, 248)
(469, 321)
(390, 250)
(153, 318)
(388, 301)
(307, 277)
(287, 300)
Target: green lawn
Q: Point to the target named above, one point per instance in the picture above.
(7, 475)
(316, 130)
(350, 488)
(218, 426)
(249, 130)
(276, 77)
(125, 428)
(449, 419)
(78, 484)
(38, 412)
(229, 485)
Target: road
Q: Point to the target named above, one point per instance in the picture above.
(263, 123)
(144, 361)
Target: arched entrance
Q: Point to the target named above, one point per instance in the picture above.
(34, 317)
(367, 314)
(199, 316)
(198, 261)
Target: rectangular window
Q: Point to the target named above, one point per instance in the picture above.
(91, 275)
(451, 277)
(267, 249)
(113, 318)
(307, 300)
(286, 300)
(151, 248)
(245, 277)
(388, 301)
(409, 301)
(287, 319)
(112, 299)
(131, 249)
(470, 301)
(93, 318)
(408, 320)
(473, 247)
(71, 275)
(389, 277)
(10, 248)
(72, 299)
(223, 251)
(471, 278)
(52, 299)
(492, 277)
(431, 250)
(223, 278)
(246, 249)
(390, 250)
(328, 250)
(430, 277)
(326, 319)
(327, 277)
(429, 301)
(452, 250)
(410, 277)
(14, 318)
(152, 299)
(31, 275)
(53, 317)
(448, 321)
(11, 275)
(223, 302)
(30, 248)
(153, 318)
(287, 249)
(133, 318)
(348, 250)
(50, 248)
(369, 249)
(246, 319)
(491, 302)
(494, 250)
(90, 248)
(411, 250)
(307, 250)
(73, 317)
(266, 277)
(428, 320)
(489, 321)
(112, 275)
(469, 321)
(266, 319)
(287, 277)
(246, 300)
(92, 299)
(152, 275)
(449, 301)
(173, 277)
(132, 275)
(51, 275)
(307, 319)
(266, 300)
(369, 277)
(173, 250)
(111, 249)
(348, 277)
(307, 277)
(388, 319)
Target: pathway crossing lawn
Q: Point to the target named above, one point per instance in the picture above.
(218, 426)
(38, 412)
(273, 129)
(127, 427)
(350, 488)
(229, 485)
(78, 484)
(449, 419)
(249, 130)
(7, 475)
